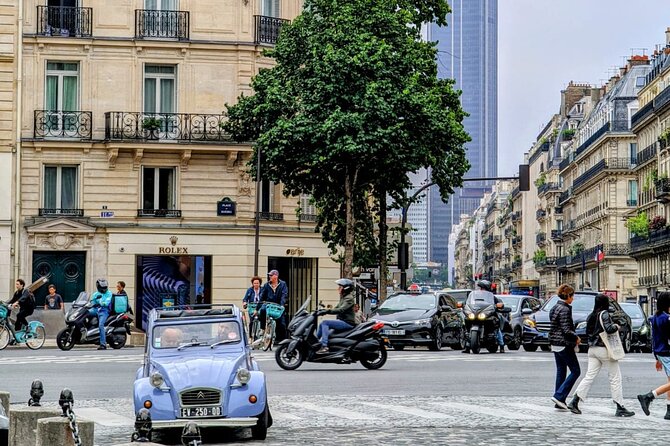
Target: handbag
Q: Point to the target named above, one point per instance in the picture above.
(612, 342)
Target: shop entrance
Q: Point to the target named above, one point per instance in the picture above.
(301, 276)
(164, 281)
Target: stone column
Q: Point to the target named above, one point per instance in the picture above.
(23, 423)
(56, 431)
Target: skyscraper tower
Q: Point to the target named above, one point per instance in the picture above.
(468, 53)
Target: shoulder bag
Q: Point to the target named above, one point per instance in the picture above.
(612, 342)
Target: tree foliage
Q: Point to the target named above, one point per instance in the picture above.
(352, 106)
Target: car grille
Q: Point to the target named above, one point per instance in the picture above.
(200, 397)
(543, 326)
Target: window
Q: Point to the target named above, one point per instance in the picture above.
(270, 8)
(306, 206)
(632, 193)
(159, 88)
(60, 187)
(161, 5)
(267, 196)
(62, 94)
(639, 81)
(632, 150)
(61, 18)
(158, 188)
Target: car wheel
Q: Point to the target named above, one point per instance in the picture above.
(65, 339)
(376, 363)
(460, 345)
(474, 342)
(627, 342)
(286, 361)
(530, 347)
(260, 430)
(516, 340)
(436, 344)
(117, 341)
(398, 347)
(545, 348)
(492, 348)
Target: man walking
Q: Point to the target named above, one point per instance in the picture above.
(563, 340)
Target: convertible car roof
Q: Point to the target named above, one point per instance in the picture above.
(177, 312)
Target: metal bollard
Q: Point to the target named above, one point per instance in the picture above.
(66, 401)
(36, 393)
(143, 427)
(190, 436)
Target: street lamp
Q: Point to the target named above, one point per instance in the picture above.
(257, 220)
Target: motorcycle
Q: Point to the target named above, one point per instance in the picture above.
(117, 326)
(482, 322)
(362, 343)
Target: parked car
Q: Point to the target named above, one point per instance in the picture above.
(198, 368)
(518, 303)
(641, 327)
(4, 426)
(431, 319)
(536, 330)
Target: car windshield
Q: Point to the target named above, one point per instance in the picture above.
(481, 298)
(582, 303)
(511, 301)
(633, 311)
(460, 295)
(195, 334)
(402, 302)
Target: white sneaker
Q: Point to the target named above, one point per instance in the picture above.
(559, 403)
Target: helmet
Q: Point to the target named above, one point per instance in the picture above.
(346, 284)
(484, 285)
(102, 285)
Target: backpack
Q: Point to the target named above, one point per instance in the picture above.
(119, 304)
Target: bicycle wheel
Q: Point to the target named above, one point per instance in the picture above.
(35, 338)
(5, 336)
(269, 335)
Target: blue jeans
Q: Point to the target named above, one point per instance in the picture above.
(325, 327)
(103, 314)
(566, 359)
(499, 333)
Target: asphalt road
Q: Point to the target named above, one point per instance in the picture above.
(419, 397)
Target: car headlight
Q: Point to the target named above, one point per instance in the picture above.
(156, 379)
(581, 325)
(529, 322)
(243, 375)
(422, 322)
(471, 316)
(482, 316)
(644, 329)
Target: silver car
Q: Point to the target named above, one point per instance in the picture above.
(519, 303)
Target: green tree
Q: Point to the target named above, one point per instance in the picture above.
(352, 106)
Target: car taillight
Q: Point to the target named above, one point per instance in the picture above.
(378, 326)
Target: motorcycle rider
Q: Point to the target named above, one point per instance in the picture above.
(346, 317)
(485, 285)
(101, 300)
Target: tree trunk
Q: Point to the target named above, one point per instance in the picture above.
(383, 245)
(349, 239)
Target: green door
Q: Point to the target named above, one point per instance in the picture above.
(66, 270)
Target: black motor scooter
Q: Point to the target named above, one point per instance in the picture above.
(117, 326)
(482, 322)
(362, 343)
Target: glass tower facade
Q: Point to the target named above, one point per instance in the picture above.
(468, 53)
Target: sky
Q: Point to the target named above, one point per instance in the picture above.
(544, 44)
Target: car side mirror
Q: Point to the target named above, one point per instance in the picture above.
(526, 311)
(446, 308)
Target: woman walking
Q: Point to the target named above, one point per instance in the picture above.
(599, 321)
(563, 340)
(660, 329)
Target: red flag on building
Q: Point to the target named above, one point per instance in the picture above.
(600, 254)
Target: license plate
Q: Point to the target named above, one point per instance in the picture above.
(200, 412)
(393, 332)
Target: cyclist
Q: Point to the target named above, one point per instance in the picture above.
(25, 300)
(274, 291)
(252, 296)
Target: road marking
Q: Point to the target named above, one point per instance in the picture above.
(104, 417)
(414, 411)
(337, 412)
(495, 413)
(284, 416)
(552, 410)
(652, 419)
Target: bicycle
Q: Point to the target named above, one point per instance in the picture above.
(272, 312)
(33, 335)
(255, 333)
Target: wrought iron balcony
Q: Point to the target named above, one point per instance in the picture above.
(541, 238)
(488, 241)
(556, 235)
(547, 262)
(64, 21)
(159, 24)
(516, 264)
(565, 196)
(45, 212)
(159, 213)
(540, 214)
(640, 246)
(649, 153)
(189, 127)
(272, 216)
(663, 190)
(516, 240)
(516, 216)
(62, 124)
(548, 187)
(642, 113)
(308, 217)
(267, 29)
(631, 202)
(599, 167)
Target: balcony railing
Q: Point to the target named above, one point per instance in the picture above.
(516, 264)
(565, 196)
(62, 124)
(541, 238)
(267, 29)
(547, 262)
(591, 139)
(656, 239)
(271, 216)
(308, 217)
(631, 202)
(64, 21)
(547, 187)
(45, 212)
(647, 154)
(556, 235)
(159, 213)
(160, 24)
(540, 214)
(165, 126)
(642, 113)
(488, 241)
(609, 163)
(663, 190)
(516, 216)
(516, 240)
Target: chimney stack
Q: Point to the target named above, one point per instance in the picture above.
(667, 36)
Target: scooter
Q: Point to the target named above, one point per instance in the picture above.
(482, 322)
(362, 343)
(117, 327)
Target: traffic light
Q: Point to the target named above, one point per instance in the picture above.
(524, 177)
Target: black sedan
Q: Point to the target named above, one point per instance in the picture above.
(641, 327)
(416, 319)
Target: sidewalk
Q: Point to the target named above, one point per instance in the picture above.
(134, 340)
